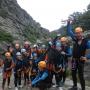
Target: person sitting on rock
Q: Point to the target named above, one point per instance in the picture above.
(43, 77)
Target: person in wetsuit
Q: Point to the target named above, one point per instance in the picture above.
(80, 46)
(7, 69)
(43, 77)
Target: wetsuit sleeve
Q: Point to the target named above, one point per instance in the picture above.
(88, 45)
(88, 56)
(69, 30)
(69, 52)
(37, 79)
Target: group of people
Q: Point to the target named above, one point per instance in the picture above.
(35, 66)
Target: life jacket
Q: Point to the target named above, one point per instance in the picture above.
(7, 64)
(26, 61)
(18, 65)
(79, 50)
(14, 53)
(49, 65)
(28, 49)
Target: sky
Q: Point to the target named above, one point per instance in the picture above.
(50, 13)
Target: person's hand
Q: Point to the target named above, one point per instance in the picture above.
(19, 70)
(63, 70)
(7, 69)
(84, 59)
(63, 53)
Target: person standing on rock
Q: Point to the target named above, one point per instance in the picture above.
(80, 46)
(42, 80)
(27, 47)
(66, 51)
(16, 49)
(7, 69)
(18, 65)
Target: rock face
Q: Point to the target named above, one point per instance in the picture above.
(15, 20)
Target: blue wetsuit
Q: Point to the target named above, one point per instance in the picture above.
(42, 75)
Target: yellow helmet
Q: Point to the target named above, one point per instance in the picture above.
(63, 39)
(78, 29)
(42, 64)
(7, 54)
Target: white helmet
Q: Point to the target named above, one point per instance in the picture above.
(18, 54)
(50, 43)
(23, 50)
(35, 46)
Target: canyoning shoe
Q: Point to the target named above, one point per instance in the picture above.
(9, 87)
(74, 88)
(54, 85)
(20, 86)
(60, 88)
(16, 88)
